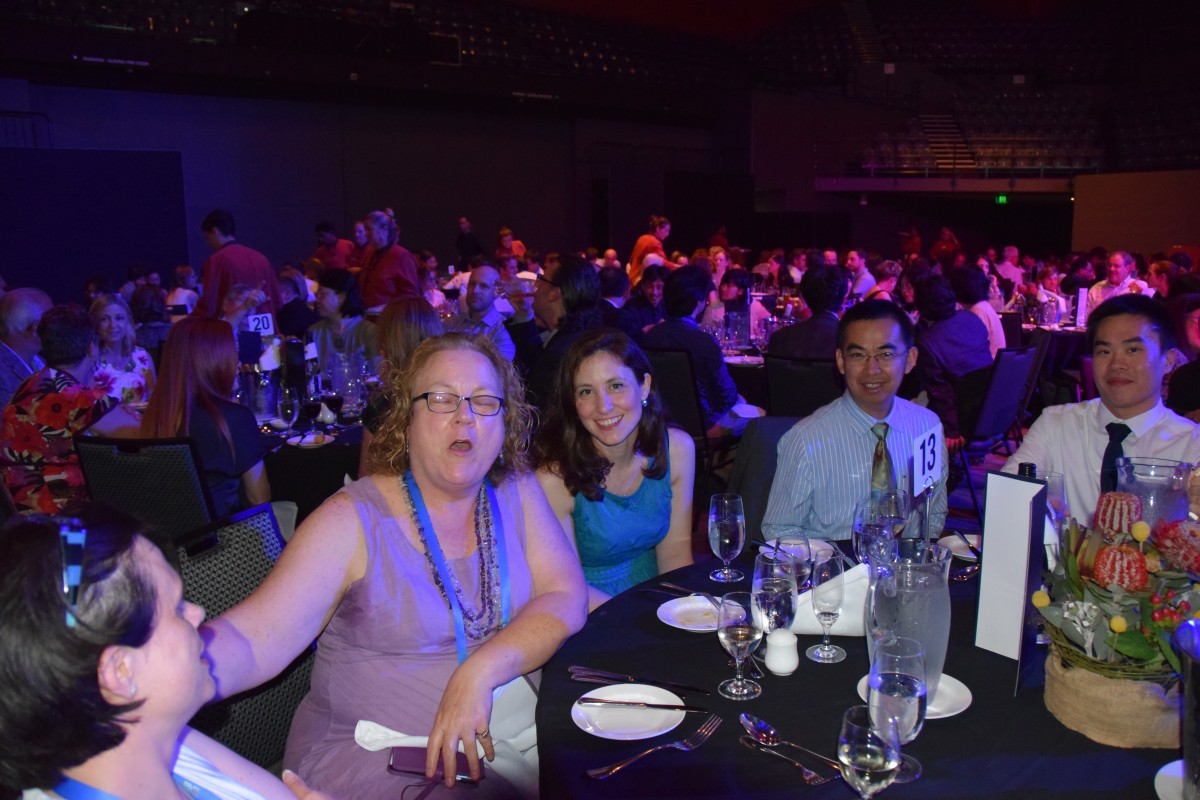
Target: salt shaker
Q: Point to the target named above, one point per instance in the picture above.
(782, 652)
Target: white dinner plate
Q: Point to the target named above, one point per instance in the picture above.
(277, 424)
(1168, 783)
(310, 440)
(822, 549)
(628, 723)
(692, 613)
(953, 697)
(959, 548)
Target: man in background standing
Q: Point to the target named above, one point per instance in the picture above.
(232, 263)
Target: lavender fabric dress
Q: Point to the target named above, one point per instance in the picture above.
(388, 652)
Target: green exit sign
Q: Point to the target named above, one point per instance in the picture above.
(1001, 199)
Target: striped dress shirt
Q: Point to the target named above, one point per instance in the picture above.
(825, 468)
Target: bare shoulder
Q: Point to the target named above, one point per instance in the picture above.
(679, 441)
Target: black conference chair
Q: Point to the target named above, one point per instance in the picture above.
(158, 481)
(221, 565)
(754, 468)
(796, 387)
(1008, 389)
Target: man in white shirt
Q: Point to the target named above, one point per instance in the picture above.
(1131, 338)
(1009, 268)
(827, 460)
(20, 312)
(1121, 280)
(861, 279)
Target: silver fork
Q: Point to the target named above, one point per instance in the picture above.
(690, 743)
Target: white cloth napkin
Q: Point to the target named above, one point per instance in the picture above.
(854, 601)
(514, 736)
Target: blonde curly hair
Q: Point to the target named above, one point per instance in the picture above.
(388, 451)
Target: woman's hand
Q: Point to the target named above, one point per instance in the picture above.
(300, 788)
(465, 710)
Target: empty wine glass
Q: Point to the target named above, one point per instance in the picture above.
(726, 534)
(869, 754)
(827, 605)
(896, 689)
(739, 633)
(288, 407)
(773, 589)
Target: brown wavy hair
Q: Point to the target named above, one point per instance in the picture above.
(388, 451)
(404, 324)
(566, 448)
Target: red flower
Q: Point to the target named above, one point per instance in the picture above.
(53, 412)
(24, 437)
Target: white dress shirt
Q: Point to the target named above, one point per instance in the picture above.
(991, 320)
(1104, 290)
(1071, 439)
(825, 468)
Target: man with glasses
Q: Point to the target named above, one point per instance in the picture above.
(860, 443)
(482, 317)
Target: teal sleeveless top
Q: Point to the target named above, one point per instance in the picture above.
(616, 535)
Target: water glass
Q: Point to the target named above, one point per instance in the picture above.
(739, 633)
(288, 406)
(726, 534)
(798, 547)
(896, 689)
(869, 753)
(827, 587)
(773, 589)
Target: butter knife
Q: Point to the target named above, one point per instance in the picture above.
(599, 701)
(583, 673)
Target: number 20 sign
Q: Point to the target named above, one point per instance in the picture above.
(927, 459)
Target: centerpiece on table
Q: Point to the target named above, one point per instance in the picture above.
(1111, 604)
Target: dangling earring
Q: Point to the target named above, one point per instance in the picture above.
(644, 402)
(501, 459)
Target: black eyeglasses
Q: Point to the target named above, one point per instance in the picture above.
(485, 405)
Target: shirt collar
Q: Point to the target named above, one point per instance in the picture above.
(866, 420)
(1139, 425)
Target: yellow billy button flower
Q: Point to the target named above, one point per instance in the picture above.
(1140, 531)
(1118, 624)
(1040, 599)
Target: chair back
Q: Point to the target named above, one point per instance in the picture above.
(1012, 373)
(754, 468)
(675, 378)
(1010, 323)
(221, 565)
(796, 387)
(158, 481)
(1087, 378)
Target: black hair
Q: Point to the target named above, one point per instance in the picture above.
(325, 226)
(824, 288)
(934, 298)
(654, 272)
(52, 713)
(1182, 259)
(148, 304)
(576, 279)
(1137, 305)
(66, 331)
(871, 310)
(970, 285)
(343, 282)
(684, 289)
(613, 282)
(221, 219)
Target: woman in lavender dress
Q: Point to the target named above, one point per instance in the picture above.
(449, 517)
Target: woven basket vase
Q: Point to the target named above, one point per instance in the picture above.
(1120, 713)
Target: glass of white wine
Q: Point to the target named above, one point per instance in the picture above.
(739, 632)
(869, 753)
(288, 407)
(726, 534)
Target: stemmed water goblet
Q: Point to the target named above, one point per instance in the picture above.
(896, 689)
(726, 534)
(826, 595)
(739, 632)
(288, 406)
(869, 753)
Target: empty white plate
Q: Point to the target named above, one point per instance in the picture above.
(693, 613)
(627, 723)
(953, 697)
(959, 547)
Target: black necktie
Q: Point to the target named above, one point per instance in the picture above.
(1108, 467)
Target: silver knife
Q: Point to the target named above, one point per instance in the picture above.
(585, 673)
(599, 701)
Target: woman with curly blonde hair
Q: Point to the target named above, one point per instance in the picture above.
(124, 370)
(437, 579)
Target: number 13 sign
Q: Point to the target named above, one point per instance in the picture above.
(927, 459)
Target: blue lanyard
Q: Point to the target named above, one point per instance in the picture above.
(71, 789)
(439, 561)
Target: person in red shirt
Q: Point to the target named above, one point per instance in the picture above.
(233, 263)
(647, 243)
(332, 252)
(508, 246)
(390, 273)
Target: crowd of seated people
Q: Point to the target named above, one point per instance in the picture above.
(589, 497)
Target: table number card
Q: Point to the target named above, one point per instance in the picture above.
(263, 324)
(1013, 529)
(927, 452)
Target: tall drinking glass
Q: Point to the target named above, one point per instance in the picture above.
(288, 407)
(726, 534)
(826, 593)
(868, 753)
(896, 689)
(739, 633)
(773, 590)
(797, 546)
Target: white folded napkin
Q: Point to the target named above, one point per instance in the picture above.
(854, 601)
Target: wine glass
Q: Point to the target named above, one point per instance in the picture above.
(869, 753)
(288, 406)
(773, 589)
(896, 689)
(827, 605)
(739, 632)
(891, 511)
(726, 534)
(797, 546)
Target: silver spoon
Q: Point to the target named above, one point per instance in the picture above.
(965, 574)
(767, 736)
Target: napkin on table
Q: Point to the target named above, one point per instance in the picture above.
(854, 600)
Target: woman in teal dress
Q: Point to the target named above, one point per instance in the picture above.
(618, 478)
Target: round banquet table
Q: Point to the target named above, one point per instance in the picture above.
(1002, 746)
(310, 476)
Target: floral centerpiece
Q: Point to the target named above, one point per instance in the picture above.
(1110, 606)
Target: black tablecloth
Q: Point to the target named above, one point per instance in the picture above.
(751, 382)
(1001, 747)
(309, 476)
